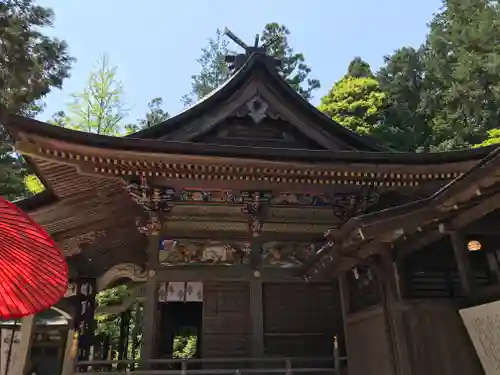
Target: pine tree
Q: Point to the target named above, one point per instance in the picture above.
(31, 64)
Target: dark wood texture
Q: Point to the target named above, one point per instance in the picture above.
(465, 271)
(267, 133)
(431, 351)
(446, 350)
(368, 345)
(301, 319)
(226, 319)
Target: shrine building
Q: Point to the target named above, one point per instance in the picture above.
(273, 235)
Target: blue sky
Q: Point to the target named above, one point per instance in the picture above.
(155, 43)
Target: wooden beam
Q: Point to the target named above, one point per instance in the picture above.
(464, 267)
(231, 273)
(257, 318)
(472, 214)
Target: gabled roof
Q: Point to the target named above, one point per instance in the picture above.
(257, 69)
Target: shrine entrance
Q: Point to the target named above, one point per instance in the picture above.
(181, 320)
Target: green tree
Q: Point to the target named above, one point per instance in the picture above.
(493, 138)
(356, 102)
(214, 70)
(154, 115)
(99, 108)
(31, 64)
(406, 120)
(359, 68)
(293, 67)
(463, 72)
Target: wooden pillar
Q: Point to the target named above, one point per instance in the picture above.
(344, 303)
(69, 360)
(464, 267)
(23, 350)
(256, 208)
(85, 320)
(393, 312)
(151, 301)
(257, 317)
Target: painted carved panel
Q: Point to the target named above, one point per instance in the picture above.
(209, 252)
(287, 254)
(301, 199)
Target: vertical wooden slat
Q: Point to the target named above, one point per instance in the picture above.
(392, 306)
(463, 263)
(257, 316)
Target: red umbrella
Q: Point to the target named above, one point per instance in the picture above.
(33, 271)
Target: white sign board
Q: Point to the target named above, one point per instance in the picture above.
(6, 339)
(483, 325)
(194, 291)
(176, 291)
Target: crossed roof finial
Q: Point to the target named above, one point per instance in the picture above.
(238, 60)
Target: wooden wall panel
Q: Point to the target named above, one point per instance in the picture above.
(301, 319)
(434, 339)
(437, 341)
(226, 319)
(367, 343)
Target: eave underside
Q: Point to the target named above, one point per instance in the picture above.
(410, 227)
(88, 183)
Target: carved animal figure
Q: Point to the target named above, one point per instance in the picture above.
(214, 254)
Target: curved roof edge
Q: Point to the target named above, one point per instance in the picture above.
(486, 166)
(19, 124)
(257, 61)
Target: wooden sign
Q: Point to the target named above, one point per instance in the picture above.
(483, 325)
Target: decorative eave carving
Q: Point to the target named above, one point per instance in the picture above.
(124, 270)
(258, 109)
(73, 246)
(236, 170)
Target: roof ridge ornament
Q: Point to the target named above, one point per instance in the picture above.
(237, 61)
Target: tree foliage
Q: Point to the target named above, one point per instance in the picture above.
(406, 117)
(214, 70)
(357, 102)
(445, 95)
(293, 66)
(31, 64)
(153, 116)
(99, 107)
(463, 69)
(493, 138)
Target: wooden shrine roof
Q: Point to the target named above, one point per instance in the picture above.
(85, 203)
(259, 78)
(413, 225)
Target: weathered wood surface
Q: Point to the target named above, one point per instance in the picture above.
(436, 341)
(301, 319)
(368, 346)
(226, 319)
